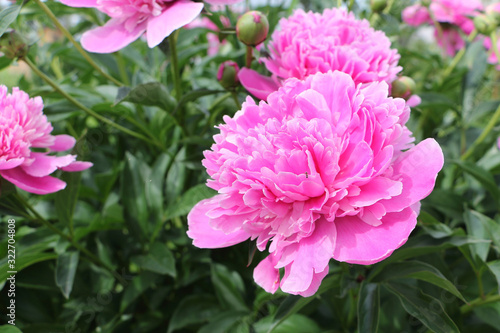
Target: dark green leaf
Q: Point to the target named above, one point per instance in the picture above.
(193, 95)
(368, 307)
(223, 321)
(482, 176)
(494, 267)
(229, 288)
(137, 286)
(296, 323)
(476, 59)
(65, 200)
(7, 16)
(9, 329)
(22, 262)
(190, 198)
(476, 227)
(194, 309)
(425, 308)
(66, 266)
(151, 94)
(489, 313)
(159, 260)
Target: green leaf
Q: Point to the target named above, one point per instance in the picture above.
(494, 267)
(482, 176)
(66, 266)
(229, 287)
(476, 59)
(190, 198)
(420, 271)
(425, 308)
(24, 261)
(223, 321)
(7, 16)
(151, 94)
(194, 309)
(476, 227)
(296, 323)
(137, 286)
(433, 227)
(489, 313)
(195, 94)
(368, 307)
(65, 200)
(9, 329)
(159, 260)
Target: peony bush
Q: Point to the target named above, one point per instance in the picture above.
(258, 166)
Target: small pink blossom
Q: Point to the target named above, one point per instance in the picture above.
(456, 16)
(307, 43)
(130, 19)
(324, 169)
(24, 126)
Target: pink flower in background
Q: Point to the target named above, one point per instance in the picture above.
(456, 16)
(24, 126)
(325, 169)
(307, 43)
(130, 19)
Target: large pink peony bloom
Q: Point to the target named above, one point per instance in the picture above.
(130, 19)
(24, 126)
(456, 16)
(322, 170)
(307, 43)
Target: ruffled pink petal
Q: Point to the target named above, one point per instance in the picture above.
(77, 166)
(311, 256)
(222, 2)
(203, 235)
(258, 85)
(413, 101)
(416, 15)
(417, 169)
(361, 243)
(80, 3)
(10, 164)
(37, 185)
(63, 142)
(266, 275)
(315, 283)
(111, 37)
(173, 18)
(44, 164)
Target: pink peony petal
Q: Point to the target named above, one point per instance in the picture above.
(10, 164)
(177, 15)
(222, 2)
(63, 142)
(80, 3)
(258, 85)
(37, 185)
(416, 15)
(111, 37)
(417, 169)
(266, 275)
(203, 234)
(414, 101)
(77, 166)
(360, 243)
(44, 164)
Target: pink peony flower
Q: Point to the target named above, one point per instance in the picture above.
(325, 169)
(130, 19)
(24, 126)
(308, 43)
(456, 16)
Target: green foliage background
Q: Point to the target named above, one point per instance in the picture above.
(110, 252)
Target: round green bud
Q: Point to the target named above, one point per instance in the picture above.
(252, 28)
(228, 75)
(378, 5)
(403, 87)
(485, 24)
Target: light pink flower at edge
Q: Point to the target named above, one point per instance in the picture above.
(24, 126)
(130, 19)
(324, 169)
(308, 43)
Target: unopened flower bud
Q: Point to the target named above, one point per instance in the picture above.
(228, 75)
(13, 45)
(252, 28)
(378, 5)
(403, 87)
(485, 24)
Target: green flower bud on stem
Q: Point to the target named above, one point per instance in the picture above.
(485, 24)
(403, 87)
(13, 45)
(252, 28)
(378, 5)
(228, 75)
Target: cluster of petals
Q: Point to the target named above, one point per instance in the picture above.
(455, 17)
(308, 43)
(130, 19)
(24, 126)
(326, 168)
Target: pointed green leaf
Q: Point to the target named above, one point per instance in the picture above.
(194, 309)
(7, 16)
(66, 266)
(9, 329)
(151, 94)
(22, 262)
(494, 267)
(159, 260)
(476, 227)
(65, 200)
(368, 307)
(482, 176)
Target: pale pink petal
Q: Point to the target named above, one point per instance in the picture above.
(417, 169)
(200, 230)
(44, 164)
(177, 15)
(258, 85)
(360, 243)
(10, 164)
(80, 3)
(266, 275)
(315, 283)
(63, 142)
(416, 15)
(37, 185)
(111, 37)
(413, 101)
(77, 166)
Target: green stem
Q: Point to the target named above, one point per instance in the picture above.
(484, 134)
(50, 226)
(466, 308)
(249, 56)
(74, 42)
(83, 107)
(172, 39)
(457, 58)
(235, 99)
(339, 3)
(121, 68)
(494, 45)
(388, 7)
